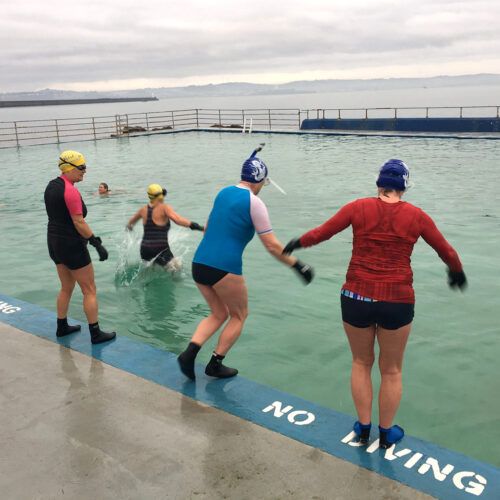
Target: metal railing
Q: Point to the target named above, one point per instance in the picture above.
(63, 130)
(406, 112)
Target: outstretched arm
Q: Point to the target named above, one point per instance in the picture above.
(175, 217)
(275, 248)
(182, 221)
(131, 223)
(262, 225)
(431, 234)
(334, 225)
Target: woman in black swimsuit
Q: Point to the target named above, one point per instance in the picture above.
(156, 217)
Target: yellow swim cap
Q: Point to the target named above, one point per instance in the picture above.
(156, 191)
(68, 160)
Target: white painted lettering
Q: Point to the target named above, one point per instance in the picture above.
(473, 487)
(439, 474)
(277, 406)
(11, 309)
(310, 418)
(373, 447)
(413, 460)
(349, 440)
(296, 417)
(390, 455)
(468, 481)
(7, 308)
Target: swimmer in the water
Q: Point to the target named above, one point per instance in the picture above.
(103, 189)
(67, 236)
(377, 299)
(236, 215)
(156, 217)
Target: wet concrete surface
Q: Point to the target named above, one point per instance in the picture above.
(73, 427)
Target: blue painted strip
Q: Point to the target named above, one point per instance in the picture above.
(424, 466)
(482, 125)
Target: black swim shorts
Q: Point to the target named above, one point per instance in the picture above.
(72, 252)
(206, 275)
(388, 315)
(160, 256)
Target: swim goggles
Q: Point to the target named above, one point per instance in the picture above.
(82, 168)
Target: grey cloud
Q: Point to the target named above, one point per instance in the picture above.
(36, 50)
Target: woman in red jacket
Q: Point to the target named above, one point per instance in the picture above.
(377, 298)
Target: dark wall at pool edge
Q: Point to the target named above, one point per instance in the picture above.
(405, 124)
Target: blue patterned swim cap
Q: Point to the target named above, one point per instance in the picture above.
(393, 174)
(254, 170)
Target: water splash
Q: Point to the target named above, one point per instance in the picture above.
(131, 270)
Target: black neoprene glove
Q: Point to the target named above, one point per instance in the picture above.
(96, 242)
(305, 271)
(457, 279)
(194, 226)
(291, 246)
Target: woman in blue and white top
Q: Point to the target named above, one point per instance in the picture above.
(236, 215)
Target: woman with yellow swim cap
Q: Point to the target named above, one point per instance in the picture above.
(156, 217)
(67, 237)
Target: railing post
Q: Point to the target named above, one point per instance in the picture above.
(317, 114)
(366, 113)
(117, 125)
(323, 113)
(197, 120)
(220, 122)
(395, 113)
(461, 112)
(147, 121)
(498, 110)
(298, 116)
(126, 118)
(17, 136)
(427, 112)
(243, 119)
(173, 121)
(93, 128)
(57, 131)
(307, 114)
(339, 114)
(269, 118)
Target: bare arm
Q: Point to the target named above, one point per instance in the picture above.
(135, 218)
(175, 217)
(81, 226)
(275, 248)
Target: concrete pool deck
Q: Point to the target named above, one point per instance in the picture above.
(74, 427)
(119, 421)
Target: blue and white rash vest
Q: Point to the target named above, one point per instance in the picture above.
(236, 214)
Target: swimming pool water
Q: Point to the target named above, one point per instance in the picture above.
(293, 339)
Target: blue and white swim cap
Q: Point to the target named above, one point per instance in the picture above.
(394, 174)
(254, 170)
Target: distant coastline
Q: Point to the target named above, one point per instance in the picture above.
(61, 102)
(239, 89)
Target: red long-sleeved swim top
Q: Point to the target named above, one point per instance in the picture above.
(383, 238)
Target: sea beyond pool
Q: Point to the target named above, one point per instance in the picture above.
(293, 338)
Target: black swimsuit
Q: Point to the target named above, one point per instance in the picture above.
(66, 245)
(154, 244)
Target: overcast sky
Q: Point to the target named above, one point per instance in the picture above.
(123, 44)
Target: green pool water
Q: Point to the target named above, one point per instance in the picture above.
(293, 339)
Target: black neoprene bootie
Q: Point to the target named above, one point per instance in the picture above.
(64, 329)
(215, 368)
(97, 336)
(186, 360)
